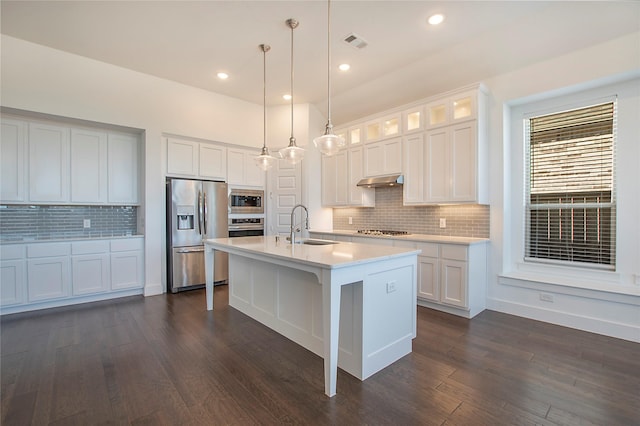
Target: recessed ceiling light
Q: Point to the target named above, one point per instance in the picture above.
(344, 67)
(223, 75)
(286, 97)
(436, 19)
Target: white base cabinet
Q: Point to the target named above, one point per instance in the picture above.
(90, 267)
(126, 263)
(451, 277)
(13, 275)
(44, 275)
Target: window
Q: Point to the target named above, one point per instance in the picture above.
(570, 205)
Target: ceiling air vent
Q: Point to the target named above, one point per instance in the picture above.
(355, 41)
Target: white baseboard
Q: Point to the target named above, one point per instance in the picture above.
(580, 322)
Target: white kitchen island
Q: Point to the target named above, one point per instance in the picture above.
(352, 304)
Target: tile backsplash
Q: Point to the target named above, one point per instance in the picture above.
(50, 222)
(462, 220)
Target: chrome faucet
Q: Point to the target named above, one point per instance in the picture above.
(292, 231)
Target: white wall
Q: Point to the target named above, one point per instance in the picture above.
(40, 79)
(615, 313)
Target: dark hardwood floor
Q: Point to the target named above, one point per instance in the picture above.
(165, 360)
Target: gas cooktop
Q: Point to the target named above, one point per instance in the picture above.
(381, 232)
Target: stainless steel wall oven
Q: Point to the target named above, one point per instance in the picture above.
(246, 201)
(246, 226)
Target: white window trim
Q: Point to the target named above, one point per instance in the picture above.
(514, 266)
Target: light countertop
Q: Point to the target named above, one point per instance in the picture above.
(338, 255)
(420, 238)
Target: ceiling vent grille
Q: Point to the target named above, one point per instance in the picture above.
(355, 41)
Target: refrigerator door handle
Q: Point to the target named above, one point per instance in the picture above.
(204, 217)
(199, 212)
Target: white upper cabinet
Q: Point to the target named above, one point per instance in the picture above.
(355, 135)
(48, 163)
(413, 168)
(450, 164)
(242, 170)
(383, 127)
(452, 109)
(383, 157)
(182, 157)
(213, 161)
(196, 159)
(51, 163)
(88, 166)
(358, 196)
(12, 154)
(123, 168)
(413, 119)
(335, 180)
(439, 144)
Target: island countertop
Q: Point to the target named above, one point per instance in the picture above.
(337, 255)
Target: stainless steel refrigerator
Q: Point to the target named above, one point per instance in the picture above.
(196, 210)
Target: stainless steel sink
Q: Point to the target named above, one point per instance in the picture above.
(314, 242)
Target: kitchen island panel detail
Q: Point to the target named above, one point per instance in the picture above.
(364, 296)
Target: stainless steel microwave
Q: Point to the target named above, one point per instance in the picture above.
(246, 201)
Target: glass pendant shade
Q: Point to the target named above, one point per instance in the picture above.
(329, 144)
(293, 153)
(265, 160)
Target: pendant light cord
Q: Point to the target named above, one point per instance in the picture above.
(292, 26)
(264, 95)
(329, 125)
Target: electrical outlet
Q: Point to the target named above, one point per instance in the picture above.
(86, 223)
(350, 220)
(391, 286)
(443, 222)
(546, 297)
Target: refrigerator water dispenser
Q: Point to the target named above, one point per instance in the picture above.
(185, 217)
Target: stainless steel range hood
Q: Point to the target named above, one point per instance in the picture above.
(380, 181)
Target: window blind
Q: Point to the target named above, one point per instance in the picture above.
(570, 191)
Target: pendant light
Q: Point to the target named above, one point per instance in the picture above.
(292, 153)
(329, 144)
(265, 160)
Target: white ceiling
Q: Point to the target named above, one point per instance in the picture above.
(406, 59)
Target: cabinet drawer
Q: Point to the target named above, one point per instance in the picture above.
(48, 250)
(453, 252)
(13, 251)
(127, 244)
(90, 247)
(428, 249)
